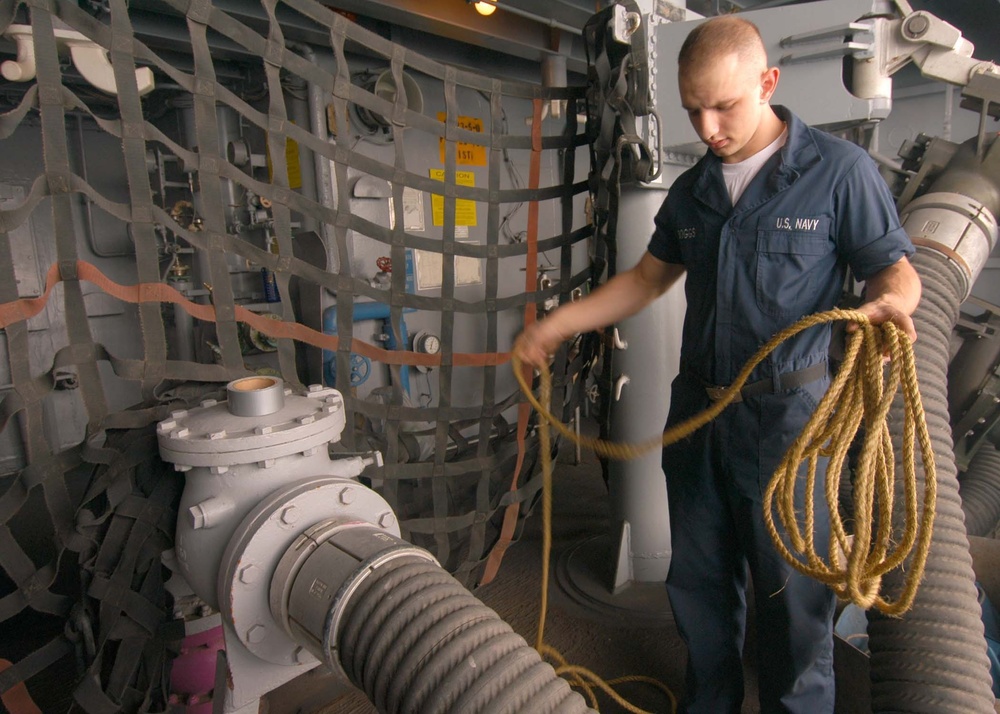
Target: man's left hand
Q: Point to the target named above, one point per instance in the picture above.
(879, 311)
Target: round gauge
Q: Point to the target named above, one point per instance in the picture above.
(431, 344)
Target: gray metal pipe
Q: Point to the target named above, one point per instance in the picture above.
(957, 217)
(979, 487)
(300, 112)
(974, 361)
(183, 341)
(541, 19)
(228, 128)
(325, 181)
(644, 364)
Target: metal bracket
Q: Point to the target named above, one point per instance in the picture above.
(65, 378)
(979, 422)
(617, 340)
(89, 58)
(624, 24)
(620, 384)
(829, 42)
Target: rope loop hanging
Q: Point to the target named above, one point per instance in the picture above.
(858, 400)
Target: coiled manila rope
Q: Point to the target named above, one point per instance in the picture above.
(860, 394)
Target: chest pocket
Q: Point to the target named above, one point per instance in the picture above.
(700, 253)
(790, 265)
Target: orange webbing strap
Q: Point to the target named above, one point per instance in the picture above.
(17, 700)
(26, 308)
(524, 409)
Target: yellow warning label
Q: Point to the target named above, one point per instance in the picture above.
(294, 165)
(465, 210)
(466, 154)
(291, 161)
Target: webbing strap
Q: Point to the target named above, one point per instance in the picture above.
(133, 139)
(38, 661)
(274, 58)
(125, 582)
(618, 92)
(478, 539)
(439, 488)
(56, 155)
(524, 410)
(17, 700)
(466, 501)
(209, 170)
(31, 582)
(18, 311)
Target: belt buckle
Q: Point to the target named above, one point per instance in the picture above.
(717, 393)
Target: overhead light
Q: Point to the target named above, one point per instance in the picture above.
(486, 7)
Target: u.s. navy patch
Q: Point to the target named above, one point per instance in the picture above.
(786, 223)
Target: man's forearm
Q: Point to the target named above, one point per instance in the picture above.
(892, 294)
(898, 285)
(622, 296)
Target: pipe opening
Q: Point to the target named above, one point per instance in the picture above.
(253, 384)
(255, 396)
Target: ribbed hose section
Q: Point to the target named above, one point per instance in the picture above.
(933, 659)
(417, 642)
(979, 487)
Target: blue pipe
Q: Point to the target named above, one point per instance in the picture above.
(366, 311)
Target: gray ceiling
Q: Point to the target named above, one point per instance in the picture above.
(510, 31)
(519, 34)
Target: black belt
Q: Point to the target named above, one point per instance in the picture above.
(786, 381)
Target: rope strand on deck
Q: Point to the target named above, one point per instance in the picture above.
(860, 394)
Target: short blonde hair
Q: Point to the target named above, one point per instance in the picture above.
(721, 36)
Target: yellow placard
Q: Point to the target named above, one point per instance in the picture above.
(466, 154)
(292, 162)
(465, 210)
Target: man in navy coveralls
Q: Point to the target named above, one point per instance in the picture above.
(765, 226)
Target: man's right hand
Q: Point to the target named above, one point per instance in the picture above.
(539, 341)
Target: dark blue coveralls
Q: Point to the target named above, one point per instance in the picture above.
(815, 208)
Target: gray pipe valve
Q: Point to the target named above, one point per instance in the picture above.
(259, 475)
